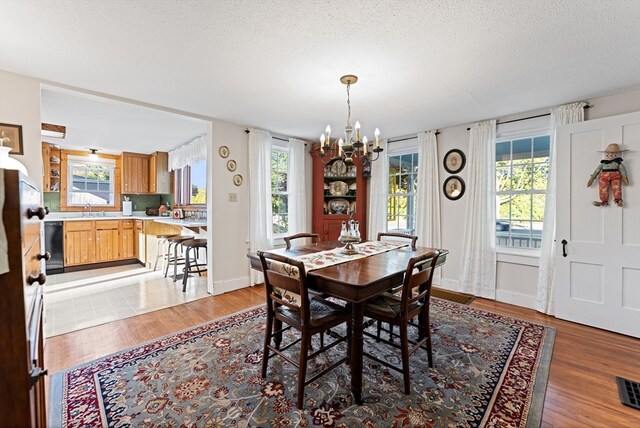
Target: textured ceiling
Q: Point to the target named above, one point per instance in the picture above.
(275, 64)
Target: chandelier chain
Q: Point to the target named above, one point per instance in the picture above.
(348, 104)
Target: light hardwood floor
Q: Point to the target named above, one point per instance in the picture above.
(581, 391)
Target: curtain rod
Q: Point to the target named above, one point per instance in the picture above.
(406, 138)
(526, 118)
(275, 138)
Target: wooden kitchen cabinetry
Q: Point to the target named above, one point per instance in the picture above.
(22, 369)
(159, 176)
(79, 243)
(98, 241)
(128, 240)
(51, 167)
(337, 188)
(108, 240)
(135, 173)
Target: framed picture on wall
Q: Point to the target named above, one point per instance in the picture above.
(453, 187)
(454, 161)
(11, 136)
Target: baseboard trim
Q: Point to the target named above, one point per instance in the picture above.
(220, 287)
(515, 298)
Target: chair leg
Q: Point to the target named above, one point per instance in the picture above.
(404, 344)
(379, 330)
(277, 338)
(302, 370)
(168, 257)
(429, 349)
(186, 270)
(267, 340)
(155, 265)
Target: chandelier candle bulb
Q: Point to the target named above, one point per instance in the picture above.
(365, 143)
(322, 144)
(377, 134)
(357, 131)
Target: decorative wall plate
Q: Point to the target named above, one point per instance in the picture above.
(338, 206)
(231, 165)
(454, 161)
(353, 186)
(338, 188)
(237, 180)
(339, 168)
(223, 151)
(453, 187)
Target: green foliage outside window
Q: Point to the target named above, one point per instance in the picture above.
(279, 191)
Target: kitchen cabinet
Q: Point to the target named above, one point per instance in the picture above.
(22, 366)
(338, 187)
(159, 176)
(51, 168)
(108, 240)
(79, 242)
(127, 239)
(99, 241)
(135, 173)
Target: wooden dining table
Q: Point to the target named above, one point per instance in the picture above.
(355, 281)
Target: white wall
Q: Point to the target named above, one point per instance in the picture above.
(516, 275)
(20, 105)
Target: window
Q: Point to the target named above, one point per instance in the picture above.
(280, 190)
(403, 182)
(522, 166)
(190, 184)
(90, 182)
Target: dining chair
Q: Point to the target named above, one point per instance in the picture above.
(413, 238)
(401, 310)
(289, 302)
(288, 239)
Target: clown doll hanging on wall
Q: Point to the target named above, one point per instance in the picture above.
(612, 172)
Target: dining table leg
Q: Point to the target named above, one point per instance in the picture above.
(357, 317)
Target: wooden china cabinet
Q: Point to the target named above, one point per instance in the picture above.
(337, 188)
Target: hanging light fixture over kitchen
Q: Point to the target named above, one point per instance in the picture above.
(351, 146)
(93, 156)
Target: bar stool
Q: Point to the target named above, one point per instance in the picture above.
(175, 241)
(162, 241)
(192, 265)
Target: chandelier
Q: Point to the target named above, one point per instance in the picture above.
(351, 146)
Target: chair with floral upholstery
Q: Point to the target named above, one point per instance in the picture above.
(289, 302)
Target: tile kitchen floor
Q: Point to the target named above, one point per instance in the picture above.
(78, 300)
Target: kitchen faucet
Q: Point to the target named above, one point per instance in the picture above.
(85, 209)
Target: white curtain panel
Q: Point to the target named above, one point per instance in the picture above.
(260, 232)
(562, 115)
(378, 194)
(478, 265)
(297, 187)
(428, 194)
(192, 152)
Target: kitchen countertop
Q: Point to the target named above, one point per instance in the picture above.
(137, 215)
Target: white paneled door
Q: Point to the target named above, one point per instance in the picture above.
(597, 279)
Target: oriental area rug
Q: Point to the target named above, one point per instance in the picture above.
(489, 370)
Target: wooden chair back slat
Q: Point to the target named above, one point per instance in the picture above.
(275, 282)
(412, 238)
(419, 274)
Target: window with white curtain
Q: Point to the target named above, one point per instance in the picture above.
(90, 182)
(280, 190)
(522, 166)
(403, 183)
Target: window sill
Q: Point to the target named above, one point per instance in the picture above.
(518, 256)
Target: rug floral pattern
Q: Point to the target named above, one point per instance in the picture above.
(209, 376)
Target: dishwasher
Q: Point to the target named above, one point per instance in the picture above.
(54, 244)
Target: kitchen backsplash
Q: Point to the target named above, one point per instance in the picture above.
(140, 202)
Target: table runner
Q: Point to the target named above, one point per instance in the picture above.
(328, 258)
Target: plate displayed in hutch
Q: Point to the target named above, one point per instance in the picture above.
(339, 167)
(338, 206)
(338, 188)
